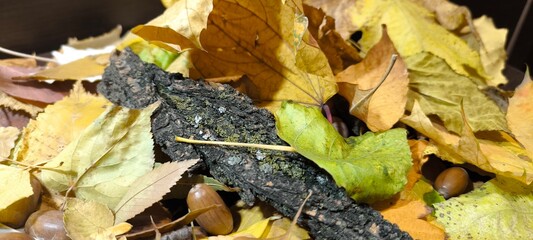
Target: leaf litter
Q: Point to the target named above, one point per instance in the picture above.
(285, 54)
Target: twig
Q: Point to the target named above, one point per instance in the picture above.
(237, 144)
(19, 54)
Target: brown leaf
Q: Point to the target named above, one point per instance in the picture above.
(18, 119)
(340, 54)
(272, 47)
(340, 10)
(409, 218)
(386, 106)
(30, 90)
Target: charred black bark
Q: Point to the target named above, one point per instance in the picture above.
(217, 112)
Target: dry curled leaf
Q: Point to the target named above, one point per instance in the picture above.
(386, 105)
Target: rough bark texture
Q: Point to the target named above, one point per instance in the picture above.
(217, 112)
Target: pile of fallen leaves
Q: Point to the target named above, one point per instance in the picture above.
(422, 80)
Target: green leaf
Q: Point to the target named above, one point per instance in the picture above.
(151, 53)
(109, 155)
(500, 209)
(441, 91)
(370, 167)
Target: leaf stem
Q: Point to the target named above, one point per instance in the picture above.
(24, 55)
(237, 144)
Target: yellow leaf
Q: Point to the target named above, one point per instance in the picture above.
(280, 61)
(448, 14)
(520, 113)
(8, 136)
(107, 157)
(491, 45)
(409, 218)
(15, 185)
(387, 104)
(88, 220)
(413, 30)
(499, 154)
(60, 123)
(187, 17)
(82, 69)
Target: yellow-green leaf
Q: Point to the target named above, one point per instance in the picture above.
(108, 156)
(499, 209)
(441, 91)
(413, 30)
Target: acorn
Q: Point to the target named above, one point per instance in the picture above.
(217, 221)
(15, 215)
(15, 236)
(452, 182)
(46, 224)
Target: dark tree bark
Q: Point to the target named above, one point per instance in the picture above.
(207, 111)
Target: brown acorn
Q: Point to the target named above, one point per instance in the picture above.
(46, 224)
(217, 221)
(452, 182)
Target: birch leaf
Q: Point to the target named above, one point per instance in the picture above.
(499, 209)
(385, 107)
(150, 188)
(60, 123)
(520, 113)
(89, 220)
(108, 156)
(370, 167)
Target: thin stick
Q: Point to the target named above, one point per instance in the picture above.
(237, 144)
(383, 78)
(24, 55)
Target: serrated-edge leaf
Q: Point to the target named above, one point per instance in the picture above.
(85, 218)
(150, 188)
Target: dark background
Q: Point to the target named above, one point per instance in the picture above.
(43, 25)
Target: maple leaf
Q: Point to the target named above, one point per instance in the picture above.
(271, 47)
